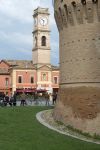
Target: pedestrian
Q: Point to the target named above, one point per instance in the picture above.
(6, 100)
(11, 100)
(47, 98)
(54, 97)
(36, 96)
(14, 99)
(23, 99)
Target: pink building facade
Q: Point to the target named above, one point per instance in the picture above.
(5, 78)
(19, 77)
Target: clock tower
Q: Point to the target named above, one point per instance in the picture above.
(41, 37)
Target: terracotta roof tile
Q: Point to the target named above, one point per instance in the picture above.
(20, 64)
(55, 67)
(4, 71)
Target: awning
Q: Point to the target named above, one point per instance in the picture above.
(25, 90)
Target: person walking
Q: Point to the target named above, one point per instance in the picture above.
(11, 100)
(23, 99)
(6, 100)
(47, 98)
(14, 99)
(36, 96)
(54, 97)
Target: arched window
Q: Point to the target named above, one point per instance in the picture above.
(43, 41)
(44, 77)
(55, 80)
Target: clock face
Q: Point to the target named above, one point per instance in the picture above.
(43, 21)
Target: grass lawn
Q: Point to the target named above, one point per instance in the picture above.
(19, 130)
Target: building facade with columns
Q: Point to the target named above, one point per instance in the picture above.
(35, 74)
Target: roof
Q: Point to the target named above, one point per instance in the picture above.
(40, 10)
(20, 64)
(23, 64)
(55, 68)
(4, 71)
(51, 67)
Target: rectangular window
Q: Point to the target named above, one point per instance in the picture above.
(19, 79)
(6, 81)
(32, 79)
(55, 80)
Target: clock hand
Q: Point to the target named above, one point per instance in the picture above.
(43, 21)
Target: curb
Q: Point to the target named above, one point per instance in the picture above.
(43, 122)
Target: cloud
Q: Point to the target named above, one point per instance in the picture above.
(16, 25)
(16, 38)
(17, 10)
(24, 51)
(22, 10)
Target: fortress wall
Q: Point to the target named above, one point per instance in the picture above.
(80, 54)
(79, 31)
(73, 13)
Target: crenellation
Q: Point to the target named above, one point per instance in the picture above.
(60, 19)
(98, 10)
(83, 2)
(65, 21)
(70, 16)
(90, 12)
(79, 13)
(76, 12)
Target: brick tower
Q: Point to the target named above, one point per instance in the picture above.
(78, 22)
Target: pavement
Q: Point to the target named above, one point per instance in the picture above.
(33, 103)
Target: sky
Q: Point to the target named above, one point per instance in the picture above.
(16, 26)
